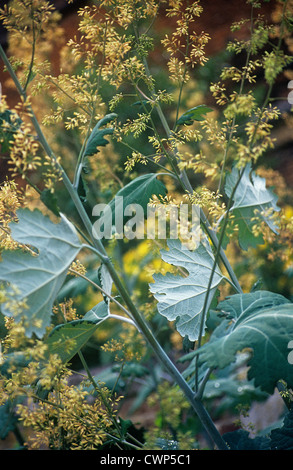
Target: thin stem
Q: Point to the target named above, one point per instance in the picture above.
(138, 318)
(231, 198)
(33, 51)
(185, 183)
(78, 168)
(104, 293)
(106, 404)
(203, 383)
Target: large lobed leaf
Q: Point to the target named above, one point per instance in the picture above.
(38, 278)
(252, 204)
(182, 298)
(262, 322)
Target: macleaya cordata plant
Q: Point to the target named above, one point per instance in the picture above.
(111, 94)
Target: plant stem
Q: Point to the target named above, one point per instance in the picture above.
(241, 172)
(138, 318)
(184, 181)
(99, 389)
(117, 317)
(33, 51)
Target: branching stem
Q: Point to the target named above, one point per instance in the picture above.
(196, 404)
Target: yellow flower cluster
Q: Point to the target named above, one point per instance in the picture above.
(33, 34)
(17, 16)
(65, 311)
(69, 418)
(170, 406)
(185, 46)
(23, 152)
(209, 200)
(10, 201)
(199, 163)
(129, 347)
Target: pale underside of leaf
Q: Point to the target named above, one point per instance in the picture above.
(252, 201)
(38, 278)
(182, 298)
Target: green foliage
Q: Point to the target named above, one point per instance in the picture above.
(97, 136)
(253, 204)
(67, 339)
(8, 420)
(50, 200)
(138, 191)
(194, 114)
(262, 322)
(278, 439)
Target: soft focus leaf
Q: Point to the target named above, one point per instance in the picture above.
(282, 438)
(38, 278)
(67, 339)
(194, 114)
(240, 440)
(8, 420)
(253, 203)
(50, 200)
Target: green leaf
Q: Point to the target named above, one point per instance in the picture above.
(97, 313)
(252, 204)
(8, 419)
(241, 305)
(67, 339)
(125, 424)
(139, 191)
(240, 440)
(263, 323)
(97, 137)
(232, 387)
(50, 201)
(194, 114)
(182, 298)
(282, 438)
(10, 122)
(38, 278)
(142, 103)
(132, 369)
